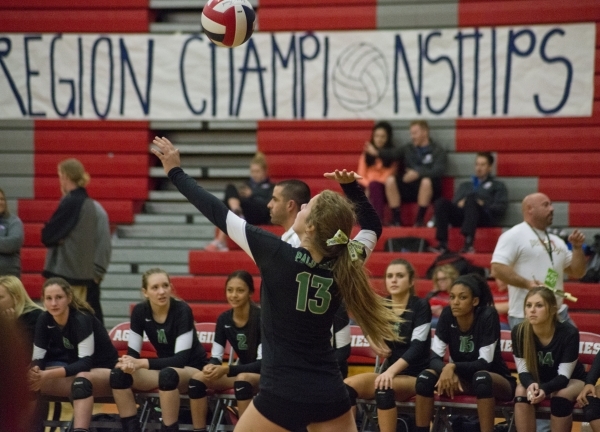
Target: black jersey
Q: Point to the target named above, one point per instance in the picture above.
(474, 350)
(416, 333)
(299, 298)
(558, 362)
(241, 339)
(175, 340)
(594, 373)
(82, 343)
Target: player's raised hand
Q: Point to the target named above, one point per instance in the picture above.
(167, 153)
(342, 176)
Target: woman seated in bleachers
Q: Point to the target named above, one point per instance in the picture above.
(248, 201)
(470, 329)
(406, 359)
(72, 352)
(439, 297)
(240, 326)
(169, 324)
(374, 171)
(546, 354)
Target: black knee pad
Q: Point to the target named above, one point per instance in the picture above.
(352, 393)
(168, 379)
(196, 389)
(385, 399)
(591, 411)
(561, 407)
(426, 384)
(120, 380)
(243, 390)
(483, 385)
(521, 399)
(81, 388)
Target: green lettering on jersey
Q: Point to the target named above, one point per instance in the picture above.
(545, 360)
(466, 344)
(162, 337)
(322, 284)
(241, 338)
(67, 343)
(305, 258)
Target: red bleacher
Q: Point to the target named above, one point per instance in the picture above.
(330, 16)
(119, 211)
(126, 188)
(101, 164)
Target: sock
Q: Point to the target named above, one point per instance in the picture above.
(421, 214)
(396, 215)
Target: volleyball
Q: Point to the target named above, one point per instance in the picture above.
(228, 23)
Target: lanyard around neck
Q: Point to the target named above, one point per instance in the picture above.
(549, 247)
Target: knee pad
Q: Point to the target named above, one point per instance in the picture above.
(352, 393)
(483, 385)
(591, 411)
(168, 379)
(243, 390)
(561, 407)
(385, 399)
(521, 399)
(426, 384)
(196, 389)
(81, 388)
(120, 380)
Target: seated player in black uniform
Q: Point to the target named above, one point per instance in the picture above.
(546, 354)
(240, 326)
(72, 352)
(169, 324)
(589, 398)
(302, 287)
(470, 328)
(406, 359)
(16, 304)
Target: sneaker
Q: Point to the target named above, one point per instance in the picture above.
(440, 249)
(467, 249)
(216, 246)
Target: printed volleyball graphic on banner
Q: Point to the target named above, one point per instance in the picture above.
(228, 23)
(360, 77)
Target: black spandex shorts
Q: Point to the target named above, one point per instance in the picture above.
(409, 192)
(295, 415)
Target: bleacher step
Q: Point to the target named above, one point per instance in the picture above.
(187, 231)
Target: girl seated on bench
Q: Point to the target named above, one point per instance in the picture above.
(240, 326)
(546, 354)
(169, 324)
(72, 352)
(405, 359)
(470, 328)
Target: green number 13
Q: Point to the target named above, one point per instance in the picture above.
(321, 284)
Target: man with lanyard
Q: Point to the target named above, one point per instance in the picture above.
(527, 256)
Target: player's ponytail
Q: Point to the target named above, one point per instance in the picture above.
(332, 212)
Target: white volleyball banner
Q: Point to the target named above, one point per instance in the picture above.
(487, 72)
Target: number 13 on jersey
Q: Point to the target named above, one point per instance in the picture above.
(320, 303)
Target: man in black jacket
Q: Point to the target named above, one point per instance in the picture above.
(482, 201)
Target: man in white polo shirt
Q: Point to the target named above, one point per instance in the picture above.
(527, 256)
